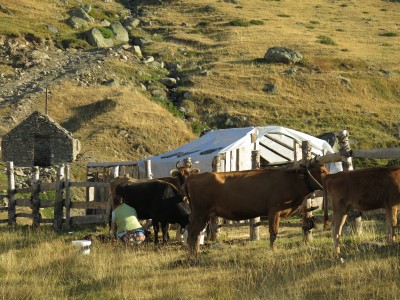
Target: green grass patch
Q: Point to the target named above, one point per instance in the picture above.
(256, 22)
(106, 32)
(326, 40)
(389, 34)
(239, 23)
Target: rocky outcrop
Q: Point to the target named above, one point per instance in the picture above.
(282, 55)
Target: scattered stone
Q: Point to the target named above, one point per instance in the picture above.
(270, 88)
(95, 38)
(344, 80)
(282, 55)
(130, 22)
(87, 8)
(81, 13)
(148, 59)
(121, 34)
(52, 28)
(168, 81)
(77, 23)
(105, 23)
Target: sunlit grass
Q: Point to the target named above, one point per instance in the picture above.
(232, 268)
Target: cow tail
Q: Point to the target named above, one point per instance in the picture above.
(325, 205)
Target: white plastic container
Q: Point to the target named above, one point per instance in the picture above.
(84, 245)
(185, 236)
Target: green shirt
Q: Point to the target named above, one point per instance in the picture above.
(125, 217)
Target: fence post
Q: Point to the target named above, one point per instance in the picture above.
(354, 217)
(147, 167)
(149, 175)
(213, 228)
(11, 191)
(307, 215)
(35, 197)
(67, 198)
(59, 205)
(254, 228)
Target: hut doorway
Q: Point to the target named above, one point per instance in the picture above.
(42, 151)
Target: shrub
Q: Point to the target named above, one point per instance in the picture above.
(393, 162)
(256, 22)
(74, 43)
(326, 40)
(389, 34)
(241, 23)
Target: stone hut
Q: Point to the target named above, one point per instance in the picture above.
(39, 141)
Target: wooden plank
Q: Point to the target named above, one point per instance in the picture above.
(44, 187)
(87, 184)
(91, 219)
(47, 221)
(67, 198)
(47, 203)
(23, 202)
(59, 202)
(23, 190)
(89, 204)
(11, 191)
(24, 215)
(111, 164)
(387, 153)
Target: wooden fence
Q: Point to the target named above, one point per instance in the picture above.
(99, 174)
(62, 202)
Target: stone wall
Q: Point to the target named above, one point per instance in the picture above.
(39, 141)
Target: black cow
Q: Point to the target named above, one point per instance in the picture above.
(157, 200)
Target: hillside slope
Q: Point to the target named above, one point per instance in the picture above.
(349, 77)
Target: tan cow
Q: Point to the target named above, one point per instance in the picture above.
(240, 195)
(363, 189)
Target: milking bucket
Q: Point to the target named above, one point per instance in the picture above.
(84, 245)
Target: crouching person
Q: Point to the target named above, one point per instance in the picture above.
(125, 224)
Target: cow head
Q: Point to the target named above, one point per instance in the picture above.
(315, 172)
(184, 170)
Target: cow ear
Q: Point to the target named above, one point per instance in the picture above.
(174, 173)
(195, 171)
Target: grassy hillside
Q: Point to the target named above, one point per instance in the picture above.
(348, 78)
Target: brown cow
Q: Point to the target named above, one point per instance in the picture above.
(363, 189)
(241, 195)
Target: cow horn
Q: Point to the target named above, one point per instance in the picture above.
(190, 164)
(176, 165)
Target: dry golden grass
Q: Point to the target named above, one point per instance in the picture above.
(233, 268)
(310, 101)
(122, 121)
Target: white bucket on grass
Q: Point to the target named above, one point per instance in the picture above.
(84, 245)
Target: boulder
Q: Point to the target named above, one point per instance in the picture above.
(81, 13)
(76, 22)
(282, 55)
(130, 22)
(95, 38)
(121, 34)
(168, 81)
